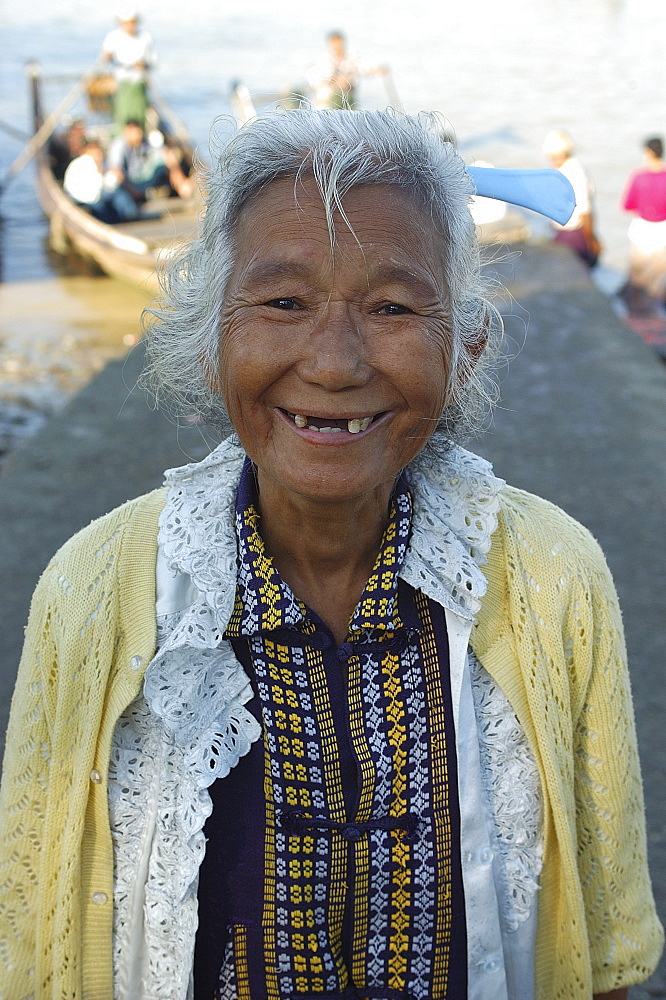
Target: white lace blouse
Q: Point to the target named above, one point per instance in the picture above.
(190, 726)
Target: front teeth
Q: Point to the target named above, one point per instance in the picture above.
(358, 424)
(354, 426)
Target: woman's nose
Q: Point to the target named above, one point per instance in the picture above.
(336, 351)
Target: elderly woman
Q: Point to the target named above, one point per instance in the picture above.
(336, 714)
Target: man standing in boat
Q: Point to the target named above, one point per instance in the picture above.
(334, 79)
(131, 54)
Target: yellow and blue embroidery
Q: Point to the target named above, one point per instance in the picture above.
(358, 884)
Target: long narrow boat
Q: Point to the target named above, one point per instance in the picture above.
(130, 250)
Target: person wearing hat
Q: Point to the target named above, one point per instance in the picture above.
(131, 54)
(578, 233)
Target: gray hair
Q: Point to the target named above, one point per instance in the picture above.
(340, 150)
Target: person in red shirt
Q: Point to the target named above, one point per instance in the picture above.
(645, 196)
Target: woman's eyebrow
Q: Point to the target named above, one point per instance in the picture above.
(414, 278)
(267, 271)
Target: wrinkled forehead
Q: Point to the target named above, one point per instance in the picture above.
(376, 229)
(303, 202)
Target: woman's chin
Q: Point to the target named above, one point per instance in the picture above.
(324, 483)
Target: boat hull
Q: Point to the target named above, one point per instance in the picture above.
(132, 251)
(112, 249)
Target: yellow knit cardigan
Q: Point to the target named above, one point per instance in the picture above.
(549, 632)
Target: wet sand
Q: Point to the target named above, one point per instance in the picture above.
(55, 335)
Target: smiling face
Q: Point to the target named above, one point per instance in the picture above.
(334, 366)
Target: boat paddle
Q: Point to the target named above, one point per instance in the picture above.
(48, 126)
(546, 190)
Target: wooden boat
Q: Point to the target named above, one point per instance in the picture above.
(131, 251)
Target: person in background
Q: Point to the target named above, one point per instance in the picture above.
(578, 233)
(137, 165)
(66, 145)
(131, 54)
(645, 197)
(84, 181)
(334, 79)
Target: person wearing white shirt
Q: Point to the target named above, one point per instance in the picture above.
(87, 184)
(578, 233)
(131, 53)
(335, 77)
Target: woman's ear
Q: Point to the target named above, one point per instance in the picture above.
(467, 362)
(469, 359)
(211, 370)
(212, 376)
(476, 347)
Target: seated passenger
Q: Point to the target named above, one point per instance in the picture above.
(138, 165)
(66, 145)
(86, 182)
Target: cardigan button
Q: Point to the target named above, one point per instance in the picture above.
(492, 964)
(95, 776)
(485, 855)
(99, 898)
(136, 662)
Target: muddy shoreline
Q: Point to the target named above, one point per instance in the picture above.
(56, 334)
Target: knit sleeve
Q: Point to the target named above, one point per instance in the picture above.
(69, 683)
(625, 937)
(25, 779)
(562, 663)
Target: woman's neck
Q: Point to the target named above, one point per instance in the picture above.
(655, 165)
(324, 551)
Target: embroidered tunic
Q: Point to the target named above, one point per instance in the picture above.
(347, 880)
(191, 725)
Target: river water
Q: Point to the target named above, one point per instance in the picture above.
(503, 74)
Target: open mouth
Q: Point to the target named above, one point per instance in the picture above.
(330, 425)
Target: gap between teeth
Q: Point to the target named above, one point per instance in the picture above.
(354, 426)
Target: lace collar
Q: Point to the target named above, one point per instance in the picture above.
(455, 499)
(195, 685)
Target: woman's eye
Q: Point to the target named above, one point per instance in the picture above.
(282, 303)
(393, 309)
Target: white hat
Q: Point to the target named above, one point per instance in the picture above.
(557, 141)
(127, 13)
